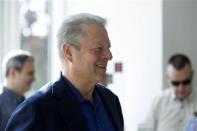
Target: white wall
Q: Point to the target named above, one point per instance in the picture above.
(58, 13)
(135, 30)
(136, 37)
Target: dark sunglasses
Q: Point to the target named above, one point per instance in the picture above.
(184, 82)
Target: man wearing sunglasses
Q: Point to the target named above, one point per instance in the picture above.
(174, 108)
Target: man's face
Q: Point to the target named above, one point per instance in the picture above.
(180, 80)
(25, 76)
(90, 62)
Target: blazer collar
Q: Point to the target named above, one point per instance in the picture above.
(68, 106)
(111, 105)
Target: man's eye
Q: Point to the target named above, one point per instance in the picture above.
(99, 49)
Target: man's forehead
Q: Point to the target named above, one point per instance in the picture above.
(172, 71)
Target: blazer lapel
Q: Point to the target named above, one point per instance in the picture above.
(112, 108)
(68, 107)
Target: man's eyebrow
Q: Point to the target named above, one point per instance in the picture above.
(99, 43)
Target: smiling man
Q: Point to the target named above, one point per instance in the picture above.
(172, 110)
(75, 102)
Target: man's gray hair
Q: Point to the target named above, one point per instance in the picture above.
(16, 59)
(71, 30)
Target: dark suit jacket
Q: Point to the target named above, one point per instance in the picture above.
(56, 109)
(9, 100)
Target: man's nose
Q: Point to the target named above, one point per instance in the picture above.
(107, 54)
(181, 85)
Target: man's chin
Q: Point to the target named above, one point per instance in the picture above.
(182, 97)
(102, 79)
(27, 88)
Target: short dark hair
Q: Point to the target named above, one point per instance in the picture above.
(16, 59)
(178, 61)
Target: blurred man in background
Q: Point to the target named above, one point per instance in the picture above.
(18, 66)
(173, 109)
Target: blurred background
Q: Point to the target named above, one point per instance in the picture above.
(143, 33)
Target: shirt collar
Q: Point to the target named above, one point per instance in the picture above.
(78, 96)
(13, 96)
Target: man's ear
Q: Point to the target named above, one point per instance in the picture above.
(67, 52)
(12, 72)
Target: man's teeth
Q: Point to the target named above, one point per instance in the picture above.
(101, 66)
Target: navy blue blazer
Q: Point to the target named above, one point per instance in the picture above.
(56, 109)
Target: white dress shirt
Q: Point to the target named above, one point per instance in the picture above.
(170, 114)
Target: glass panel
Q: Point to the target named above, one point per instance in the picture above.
(34, 23)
